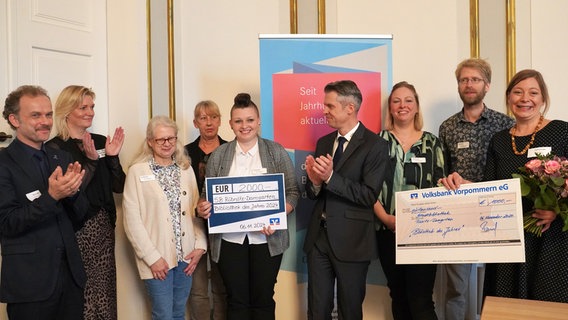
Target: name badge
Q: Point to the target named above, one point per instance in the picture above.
(463, 145)
(149, 177)
(418, 160)
(259, 171)
(33, 195)
(102, 153)
(543, 151)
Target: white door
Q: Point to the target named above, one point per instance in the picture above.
(54, 43)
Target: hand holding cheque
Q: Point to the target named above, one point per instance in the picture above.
(454, 181)
(204, 211)
(244, 203)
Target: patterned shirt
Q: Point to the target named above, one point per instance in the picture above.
(169, 178)
(466, 143)
(420, 167)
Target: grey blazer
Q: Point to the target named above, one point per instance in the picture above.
(276, 160)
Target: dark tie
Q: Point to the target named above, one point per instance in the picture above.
(41, 158)
(339, 151)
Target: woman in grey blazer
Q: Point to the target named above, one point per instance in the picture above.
(249, 261)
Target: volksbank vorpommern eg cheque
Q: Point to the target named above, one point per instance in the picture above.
(480, 222)
(246, 203)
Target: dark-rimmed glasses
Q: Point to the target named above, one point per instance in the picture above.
(161, 141)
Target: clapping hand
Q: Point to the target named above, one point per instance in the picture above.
(113, 146)
(319, 169)
(89, 147)
(65, 185)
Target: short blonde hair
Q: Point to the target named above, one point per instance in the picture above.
(475, 63)
(207, 106)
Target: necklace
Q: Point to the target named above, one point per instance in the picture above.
(526, 148)
(408, 140)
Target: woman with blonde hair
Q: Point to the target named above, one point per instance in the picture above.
(98, 155)
(207, 119)
(416, 162)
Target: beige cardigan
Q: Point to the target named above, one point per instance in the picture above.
(147, 219)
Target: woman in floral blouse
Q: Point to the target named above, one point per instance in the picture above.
(160, 196)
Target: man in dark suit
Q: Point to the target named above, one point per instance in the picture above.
(42, 273)
(340, 240)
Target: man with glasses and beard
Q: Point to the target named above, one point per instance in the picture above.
(466, 137)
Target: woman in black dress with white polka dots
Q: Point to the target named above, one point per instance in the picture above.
(544, 275)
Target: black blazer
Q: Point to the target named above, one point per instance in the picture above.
(102, 177)
(35, 230)
(350, 195)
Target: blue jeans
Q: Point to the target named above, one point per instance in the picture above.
(457, 290)
(169, 296)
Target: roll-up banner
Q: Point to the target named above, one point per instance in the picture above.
(294, 70)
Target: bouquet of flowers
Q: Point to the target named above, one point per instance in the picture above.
(544, 180)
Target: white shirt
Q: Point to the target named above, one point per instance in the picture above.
(347, 137)
(245, 164)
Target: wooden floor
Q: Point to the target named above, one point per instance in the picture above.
(496, 308)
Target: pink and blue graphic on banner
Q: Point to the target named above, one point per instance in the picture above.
(298, 104)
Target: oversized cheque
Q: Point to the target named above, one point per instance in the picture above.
(480, 222)
(246, 203)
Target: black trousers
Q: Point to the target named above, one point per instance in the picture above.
(249, 274)
(411, 285)
(65, 303)
(324, 269)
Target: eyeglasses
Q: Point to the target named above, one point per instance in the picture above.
(170, 140)
(470, 80)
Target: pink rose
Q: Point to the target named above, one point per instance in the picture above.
(551, 167)
(533, 165)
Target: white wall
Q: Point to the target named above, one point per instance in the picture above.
(128, 104)
(492, 38)
(545, 48)
(4, 64)
(428, 42)
(217, 53)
